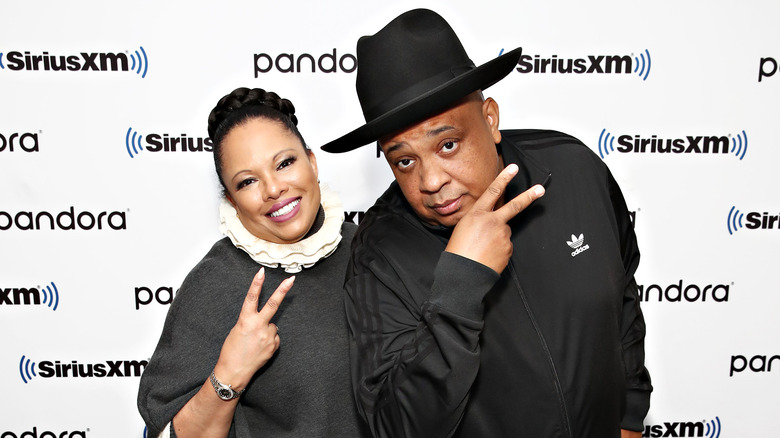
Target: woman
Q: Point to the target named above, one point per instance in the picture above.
(259, 363)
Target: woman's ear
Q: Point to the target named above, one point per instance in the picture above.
(313, 161)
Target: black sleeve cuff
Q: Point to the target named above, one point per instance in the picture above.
(637, 405)
(460, 284)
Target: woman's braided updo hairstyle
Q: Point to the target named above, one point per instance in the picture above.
(242, 105)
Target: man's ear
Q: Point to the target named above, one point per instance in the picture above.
(490, 113)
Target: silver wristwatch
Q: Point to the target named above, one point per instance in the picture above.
(225, 392)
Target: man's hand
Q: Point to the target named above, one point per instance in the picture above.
(482, 234)
(254, 339)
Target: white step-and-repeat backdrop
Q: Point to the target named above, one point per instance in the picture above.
(108, 195)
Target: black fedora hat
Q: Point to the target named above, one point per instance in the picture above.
(411, 69)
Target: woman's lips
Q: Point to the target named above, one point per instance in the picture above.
(448, 207)
(284, 210)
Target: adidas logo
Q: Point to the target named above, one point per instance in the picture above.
(576, 244)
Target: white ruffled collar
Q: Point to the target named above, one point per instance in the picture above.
(293, 256)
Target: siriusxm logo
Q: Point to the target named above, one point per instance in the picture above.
(27, 142)
(303, 63)
(756, 364)
(110, 368)
(136, 61)
(354, 217)
(599, 64)
(763, 71)
(713, 144)
(66, 220)
(144, 296)
(135, 143)
(753, 220)
(48, 296)
(679, 292)
(709, 429)
(45, 434)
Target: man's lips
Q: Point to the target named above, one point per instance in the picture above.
(448, 207)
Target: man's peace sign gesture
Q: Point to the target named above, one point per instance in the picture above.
(482, 234)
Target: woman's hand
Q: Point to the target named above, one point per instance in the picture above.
(249, 345)
(254, 339)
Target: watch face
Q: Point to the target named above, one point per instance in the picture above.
(225, 393)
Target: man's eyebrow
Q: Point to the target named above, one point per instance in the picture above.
(431, 133)
(439, 130)
(394, 147)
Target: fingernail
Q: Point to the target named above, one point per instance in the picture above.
(261, 272)
(290, 280)
(539, 190)
(512, 168)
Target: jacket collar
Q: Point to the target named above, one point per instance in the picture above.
(531, 171)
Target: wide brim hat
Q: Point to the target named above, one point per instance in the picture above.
(413, 68)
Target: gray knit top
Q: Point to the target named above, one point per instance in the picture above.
(303, 391)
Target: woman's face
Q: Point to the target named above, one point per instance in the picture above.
(271, 180)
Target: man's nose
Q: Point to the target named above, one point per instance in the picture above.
(432, 177)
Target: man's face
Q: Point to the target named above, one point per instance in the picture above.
(444, 163)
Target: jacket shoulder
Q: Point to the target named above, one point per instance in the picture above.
(556, 149)
(543, 139)
(540, 137)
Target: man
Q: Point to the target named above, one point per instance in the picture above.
(491, 289)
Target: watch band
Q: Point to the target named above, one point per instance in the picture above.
(225, 392)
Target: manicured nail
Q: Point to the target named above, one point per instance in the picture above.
(539, 190)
